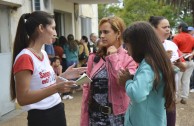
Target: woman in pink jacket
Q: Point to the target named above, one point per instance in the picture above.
(104, 101)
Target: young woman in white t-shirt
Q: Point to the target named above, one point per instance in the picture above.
(33, 81)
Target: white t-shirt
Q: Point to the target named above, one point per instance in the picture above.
(169, 45)
(43, 76)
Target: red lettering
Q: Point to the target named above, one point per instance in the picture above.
(44, 75)
(45, 81)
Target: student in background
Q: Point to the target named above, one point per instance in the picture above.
(71, 51)
(152, 88)
(62, 42)
(92, 43)
(50, 51)
(83, 49)
(56, 65)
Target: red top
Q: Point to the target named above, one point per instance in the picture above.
(59, 51)
(185, 42)
(24, 62)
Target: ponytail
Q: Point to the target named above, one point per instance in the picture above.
(20, 42)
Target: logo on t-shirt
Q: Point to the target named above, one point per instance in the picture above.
(47, 77)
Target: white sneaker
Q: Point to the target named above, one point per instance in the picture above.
(65, 97)
(192, 90)
(70, 97)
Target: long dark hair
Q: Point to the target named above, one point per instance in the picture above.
(146, 45)
(72, 43)
(62, 41)
(26, 31)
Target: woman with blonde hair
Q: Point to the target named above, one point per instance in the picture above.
(104, 100)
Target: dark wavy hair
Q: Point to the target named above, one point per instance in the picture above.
(85, 38)
(146, 45)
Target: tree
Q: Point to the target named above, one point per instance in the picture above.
(184, 9)
(141, 10)
(106, 10)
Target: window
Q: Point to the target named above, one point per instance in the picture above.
(5, 43)
(86, 26)
(37, 4)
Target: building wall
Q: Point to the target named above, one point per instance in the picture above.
(14, 9)
(72, 24)
(90, 11)
(67, 9)
(15, 15)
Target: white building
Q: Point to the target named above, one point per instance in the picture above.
(77, 17)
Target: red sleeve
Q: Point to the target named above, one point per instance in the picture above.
(24, 62)
(176, 40)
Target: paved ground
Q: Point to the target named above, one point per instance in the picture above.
(185, 113)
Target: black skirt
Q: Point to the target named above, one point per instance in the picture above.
(54, 116)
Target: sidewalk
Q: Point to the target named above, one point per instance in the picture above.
(185, 113)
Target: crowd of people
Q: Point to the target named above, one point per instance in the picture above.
(138, 73)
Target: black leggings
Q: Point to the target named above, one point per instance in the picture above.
(54, 116)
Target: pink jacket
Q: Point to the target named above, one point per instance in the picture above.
(116, 93)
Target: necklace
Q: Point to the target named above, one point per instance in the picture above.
(39, 55)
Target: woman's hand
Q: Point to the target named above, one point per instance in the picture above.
(63, 86)
(111, 50)
(169, 53)
(181, 65)
(73, 73)
(123, 76)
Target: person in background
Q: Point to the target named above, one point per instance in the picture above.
(56, 64)
(58, 49)
(99, 44)
(92, 44)
(33, 81)
(71, 51)
(170, 37)
(191, 32)
(162, 28)
(50, 51)
(62, 43)
(185, 43)
(83, 48)
(152, 88)
(104, 101)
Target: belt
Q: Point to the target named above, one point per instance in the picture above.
(94, 106)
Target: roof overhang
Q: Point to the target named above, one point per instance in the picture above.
(10, 3)
(94, 1)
